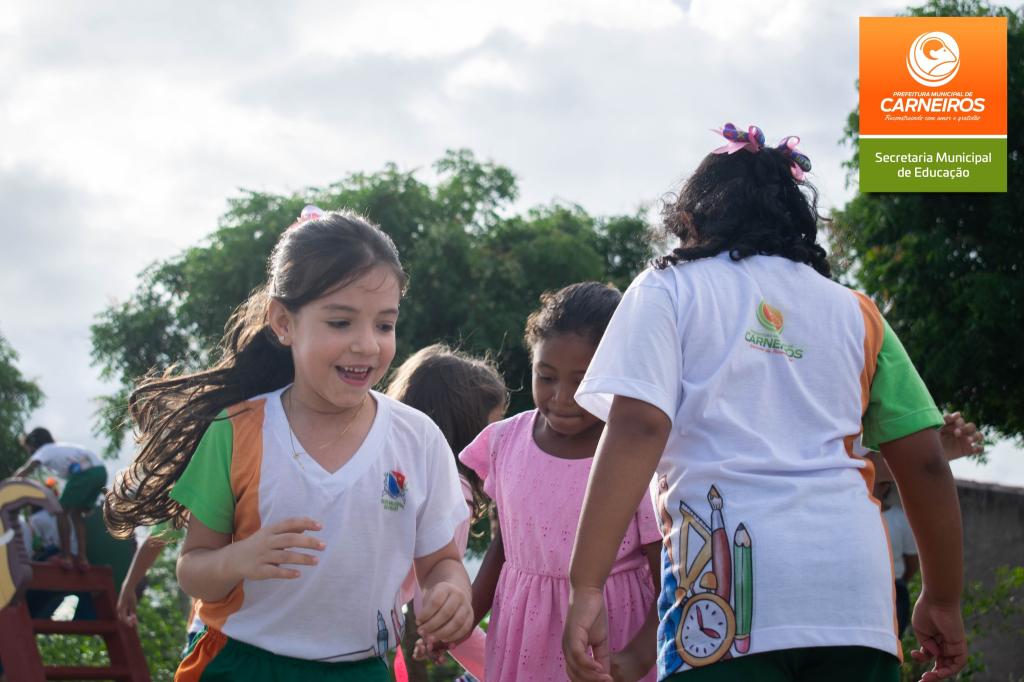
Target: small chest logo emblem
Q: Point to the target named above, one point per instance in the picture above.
(392, 497)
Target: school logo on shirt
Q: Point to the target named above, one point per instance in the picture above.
(769, 338)
(393, 495)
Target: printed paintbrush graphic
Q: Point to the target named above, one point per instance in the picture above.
(721, 562)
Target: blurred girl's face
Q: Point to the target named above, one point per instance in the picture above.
(559, 364)
(343, 342)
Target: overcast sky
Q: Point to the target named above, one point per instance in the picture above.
(125, 126)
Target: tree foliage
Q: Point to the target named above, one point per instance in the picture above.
(476, 270)
(948, 269)
(19, 396)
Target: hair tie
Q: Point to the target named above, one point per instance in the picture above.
(310, 212)
(752, 139)
(798, 161)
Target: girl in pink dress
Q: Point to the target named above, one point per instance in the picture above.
(535, 467)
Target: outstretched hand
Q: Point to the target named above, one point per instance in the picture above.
(586, 631)
(940, 631)
(264, 554)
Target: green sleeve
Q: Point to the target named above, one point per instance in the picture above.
(205, 486)
(900, 403)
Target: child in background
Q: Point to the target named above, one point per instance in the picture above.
(84, 476)
(535, 467)
(741, 372)
(150, 542)
(281, 447)
(462, 395)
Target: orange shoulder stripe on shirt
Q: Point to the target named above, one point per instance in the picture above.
(874, 331)
(246, 460)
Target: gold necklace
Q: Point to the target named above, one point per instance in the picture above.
(291, 432)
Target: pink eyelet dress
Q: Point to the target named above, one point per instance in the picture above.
(539, 499)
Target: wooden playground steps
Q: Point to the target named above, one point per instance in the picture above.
(18, 650)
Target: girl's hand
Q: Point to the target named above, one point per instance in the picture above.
(422, 652)
(586, 627)
(960, 438)
(126, 605)
(940, 630)
(446, 616)
(263, 555)
(627, 666)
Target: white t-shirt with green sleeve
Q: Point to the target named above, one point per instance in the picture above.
(767, 371)
(398, 498)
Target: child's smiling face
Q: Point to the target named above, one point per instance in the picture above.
(559, 364)
(343, 342)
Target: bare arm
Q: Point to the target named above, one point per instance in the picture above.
(930, 501)
(486, 582)
(627, 455)
(210, 565)
(26, 469)
(145, 557)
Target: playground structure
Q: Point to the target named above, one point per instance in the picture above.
(19, 653)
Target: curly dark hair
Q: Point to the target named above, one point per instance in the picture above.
(747, 204)
(584, 308)
(172, 411)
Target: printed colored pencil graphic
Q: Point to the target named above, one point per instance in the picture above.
(744, 588)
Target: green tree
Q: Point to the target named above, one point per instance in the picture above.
(948, 269)
(19, 396)
(476, 270)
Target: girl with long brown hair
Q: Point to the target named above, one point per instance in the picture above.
(308, 494)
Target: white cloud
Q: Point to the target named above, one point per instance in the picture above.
(484, 71)
(446, 27)
(131, 123)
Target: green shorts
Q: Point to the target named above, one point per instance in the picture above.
(809, 664)
(83, 488)
(215, 657)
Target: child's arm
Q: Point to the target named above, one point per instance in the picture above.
(447, 613)
(145, 557)
(486, 582)
(210, 565)
(640, 655)
(627, 455)
(26, 469)
(930, 501)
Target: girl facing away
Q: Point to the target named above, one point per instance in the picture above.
(535, 467)
(742, 374)
(462, 394)
(308, 494)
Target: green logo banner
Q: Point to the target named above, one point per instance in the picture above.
(932, 164)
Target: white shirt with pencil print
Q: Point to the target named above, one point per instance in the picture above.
(775, 540)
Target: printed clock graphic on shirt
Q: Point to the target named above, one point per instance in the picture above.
(707, 629)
